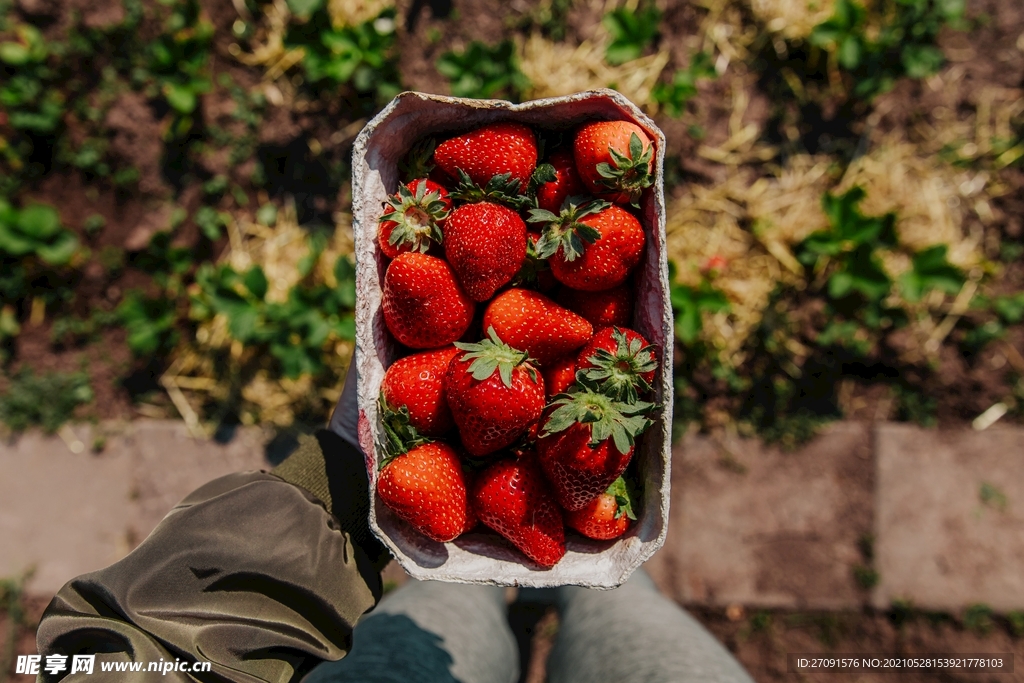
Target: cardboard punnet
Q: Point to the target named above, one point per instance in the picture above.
(480, 557)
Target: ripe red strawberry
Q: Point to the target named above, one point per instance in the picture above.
(601, 309)
(494, 393)
(485, 244)
(620, 361)
(489, 151)
(550, 195)
(590, 247)
(417, 382)
(607, 516)
(426, 487)
(424, 306)
(512, 498)
(532, 322)
(586, 442)
(614, 160)
(413, 217)
(714, 265)
(560, 375)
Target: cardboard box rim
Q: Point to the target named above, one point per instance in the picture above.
(477, 558)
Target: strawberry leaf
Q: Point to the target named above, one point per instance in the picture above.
(565, 231)
(418, 216)
(500, 189)
(399, 436)
(629, 173)
(620, 374)
(623, 494)
(545, 173)
(490, 354)
(608, 418)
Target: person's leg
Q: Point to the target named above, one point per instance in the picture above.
(430, 632)
(633, 633)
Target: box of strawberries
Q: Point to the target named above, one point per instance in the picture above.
(513, 337)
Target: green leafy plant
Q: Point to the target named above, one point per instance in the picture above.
(33, 106)
(992, 496)
(35, 231)
(930, 271)
(293, 332)
(47, 401)
(914, 405)
(176, 62)
(166, 264)
(483, 71)
(1015, 620)
(847, 248)
(631, 32)
(363, 57)
(902, 45)
(211, 222)
(73, 330)
(689, 304)
(978, 619)
(674, 95)
(866, 577)
(150, 322)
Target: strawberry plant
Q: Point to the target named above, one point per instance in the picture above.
(845, 251)
(175, 65)
(34, 231)
(361, 57)
(293, 332)
(689, 303)
(484, 72)
(902, 46)
(930, 271)
(47, 401)
(674, 94)
(151, 323)
(632, 31)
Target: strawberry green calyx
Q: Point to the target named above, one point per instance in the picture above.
(417, 216)
(623, 498)
(500, 189)
(544, 173)
(565, 231)
(631, 172)
(398, 435)
(493, 354)
(608, 418)
(620, 374)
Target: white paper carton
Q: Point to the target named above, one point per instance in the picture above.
(481, 557)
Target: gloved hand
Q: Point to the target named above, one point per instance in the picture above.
(330, 465)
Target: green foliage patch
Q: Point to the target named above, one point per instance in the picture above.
(47, 401)
(483, 71)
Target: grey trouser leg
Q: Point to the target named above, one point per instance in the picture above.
(635, 634)
(430, 632)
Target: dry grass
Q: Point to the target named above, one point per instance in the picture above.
(793, 19)
(560, 69)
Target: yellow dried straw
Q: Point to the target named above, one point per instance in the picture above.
(560, 69)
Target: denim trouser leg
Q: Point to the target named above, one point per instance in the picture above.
(430, 632)
(634, 633)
